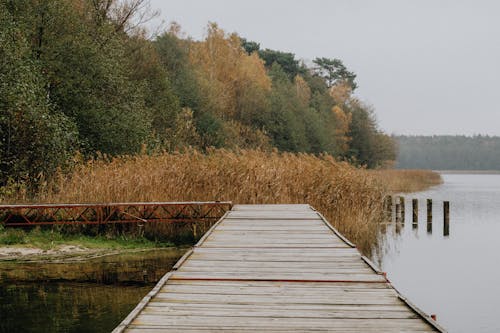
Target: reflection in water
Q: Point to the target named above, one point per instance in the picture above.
(454, 276)
(66, 307)
(41, 303)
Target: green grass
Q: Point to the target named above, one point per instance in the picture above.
(50, 239)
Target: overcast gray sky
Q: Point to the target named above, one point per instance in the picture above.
(427, 66)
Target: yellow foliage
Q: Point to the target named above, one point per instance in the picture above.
(252, 71)
(226, 70)
(342, 122)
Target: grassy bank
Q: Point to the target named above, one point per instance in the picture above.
(50, 239)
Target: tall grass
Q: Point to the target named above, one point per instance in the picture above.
(406, 181)
(350, 198)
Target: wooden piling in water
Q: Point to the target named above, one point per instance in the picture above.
(402, 203)
(414, 204)
(429, 210)
(398, 212)
(446, 218)
(429, 215)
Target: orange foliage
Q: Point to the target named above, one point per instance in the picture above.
(226, 70)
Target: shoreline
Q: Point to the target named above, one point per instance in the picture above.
(468, 172)
(66, 253)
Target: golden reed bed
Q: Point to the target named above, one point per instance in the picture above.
(350, 198)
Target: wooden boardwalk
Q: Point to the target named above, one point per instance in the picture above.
(275, 268)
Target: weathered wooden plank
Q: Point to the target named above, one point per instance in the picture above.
(271, 284)
(303, 265)
(176, 328)
(273, 215)
(344, 251)
(233, 275)
(274, 222)
(327, 290)
(272, 207)
(291, 229)
(272, 245)
(272, 270)
(292, 307)
(291, 323)
(249, 312)
(321, 234)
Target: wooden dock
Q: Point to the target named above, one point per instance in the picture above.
(275, 268)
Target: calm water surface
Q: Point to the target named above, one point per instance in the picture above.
(456, 277)
(90, 296)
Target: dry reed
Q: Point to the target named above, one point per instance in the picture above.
(350, 198)
(406, 181)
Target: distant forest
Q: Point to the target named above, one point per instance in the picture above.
(446, 152)
(84, 78)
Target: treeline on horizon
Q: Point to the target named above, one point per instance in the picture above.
(83, 78)
(448, 152)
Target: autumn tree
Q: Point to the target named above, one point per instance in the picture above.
(234, 83)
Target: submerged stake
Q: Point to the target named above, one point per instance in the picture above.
(446, 217)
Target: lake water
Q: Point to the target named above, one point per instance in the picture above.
(456, 277)
(88, 296)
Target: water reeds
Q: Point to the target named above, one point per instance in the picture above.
(350, 198)
(406, 181)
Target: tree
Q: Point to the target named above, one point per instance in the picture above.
(234, 84)
(249, 46)
(35, 138)
(283, 122)
(88, 73)
(334, 72)
(173, 52)
(369, 146)
(291, 66)
(160, 99)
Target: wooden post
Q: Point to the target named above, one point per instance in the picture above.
(446, 216)
(429, 215)
(402, 203)
(398, 212)
(389, 208)
(398, 227)
(429, 210)
(414, 204)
